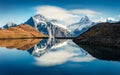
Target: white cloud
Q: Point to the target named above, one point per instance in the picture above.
(53, 58)
(99, 19)
(102, 19)
(111, 18)
(53, 12)
(86, 12)
(63, 15)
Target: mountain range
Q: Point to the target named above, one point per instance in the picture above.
(8, 25)
(53, 28)
(50, 28)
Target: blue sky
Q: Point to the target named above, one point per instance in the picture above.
(19, 11)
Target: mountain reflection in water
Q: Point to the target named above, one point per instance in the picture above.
(56, 57)
(49, 52)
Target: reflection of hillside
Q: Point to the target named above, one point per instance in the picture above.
(21, 44)
(103, 53)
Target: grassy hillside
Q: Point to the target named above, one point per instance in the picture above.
(20, 31)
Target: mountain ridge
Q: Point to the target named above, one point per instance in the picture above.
(49, 28)
(83, 25)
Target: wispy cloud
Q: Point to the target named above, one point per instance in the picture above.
(103, 19)
(53, 58)
(53, 12)
(64, 15)
(86, 12)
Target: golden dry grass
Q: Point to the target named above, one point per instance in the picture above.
(20, 31)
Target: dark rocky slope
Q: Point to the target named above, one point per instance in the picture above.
(102, 34)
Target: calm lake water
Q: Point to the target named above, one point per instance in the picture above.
(56, 57)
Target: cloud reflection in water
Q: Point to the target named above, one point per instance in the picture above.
(63, 52)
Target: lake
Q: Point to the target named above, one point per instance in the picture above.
(56, 57)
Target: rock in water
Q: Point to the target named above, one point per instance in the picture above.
(102, 34)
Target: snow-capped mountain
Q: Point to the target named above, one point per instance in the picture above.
(35, 20)
(80, 27)
(39, 23)
(55, 22)
(51, 28)
(8, 25)
(59, 30)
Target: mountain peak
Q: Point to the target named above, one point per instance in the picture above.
(35, 20)
(39, 16)
(85, 20)
(10, 24)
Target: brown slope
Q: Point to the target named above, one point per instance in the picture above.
(20, 31)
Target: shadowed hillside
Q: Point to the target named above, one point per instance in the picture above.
(103, 34)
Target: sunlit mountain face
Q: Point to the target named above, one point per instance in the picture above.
(83, 25)
(50, 28)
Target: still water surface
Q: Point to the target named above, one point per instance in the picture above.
(56, 57)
